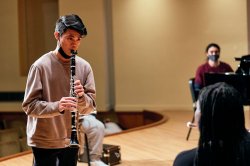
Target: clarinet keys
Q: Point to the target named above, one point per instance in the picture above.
(74, 143)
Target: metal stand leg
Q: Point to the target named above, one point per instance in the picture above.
(87, 148)
(190, 129)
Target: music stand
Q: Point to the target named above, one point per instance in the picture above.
(244, 66)
(238, 81)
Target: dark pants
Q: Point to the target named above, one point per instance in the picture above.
(55, 157)
(185, 158)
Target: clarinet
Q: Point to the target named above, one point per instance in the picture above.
(74, 143)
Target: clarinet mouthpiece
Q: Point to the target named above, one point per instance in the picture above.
(74, 52)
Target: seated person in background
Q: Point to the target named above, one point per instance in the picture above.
(212, 65)
(224, 140)
(95, 132)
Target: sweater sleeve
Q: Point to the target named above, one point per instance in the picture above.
(199, 77)
(87, 104)
(33, 105)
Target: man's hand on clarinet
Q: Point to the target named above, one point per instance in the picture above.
(79, 89)
(67, 104)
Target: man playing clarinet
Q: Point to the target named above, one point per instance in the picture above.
(48, 104)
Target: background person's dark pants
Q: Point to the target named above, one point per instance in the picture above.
(185, 158)
(55, 157)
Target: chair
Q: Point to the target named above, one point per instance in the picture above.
(19, 124)
(23, 144)
(9, 135)
(9, 147)
(194, 95)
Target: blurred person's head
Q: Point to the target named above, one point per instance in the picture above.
(213, 52)
(221, 125)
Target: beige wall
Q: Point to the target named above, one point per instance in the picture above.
(158, 45)
(9, 68)
(94, 48)
(155, 45)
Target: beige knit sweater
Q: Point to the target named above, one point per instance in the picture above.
(48, 81)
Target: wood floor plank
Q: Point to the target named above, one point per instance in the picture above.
(154, 146)
(157, 145)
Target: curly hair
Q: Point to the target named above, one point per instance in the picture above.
(222, 126)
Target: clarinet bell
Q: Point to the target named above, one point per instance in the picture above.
(74, 144)
(73, 141)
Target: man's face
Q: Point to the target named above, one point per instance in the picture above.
(70, 40)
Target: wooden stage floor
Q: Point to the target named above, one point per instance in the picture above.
(154, 146)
